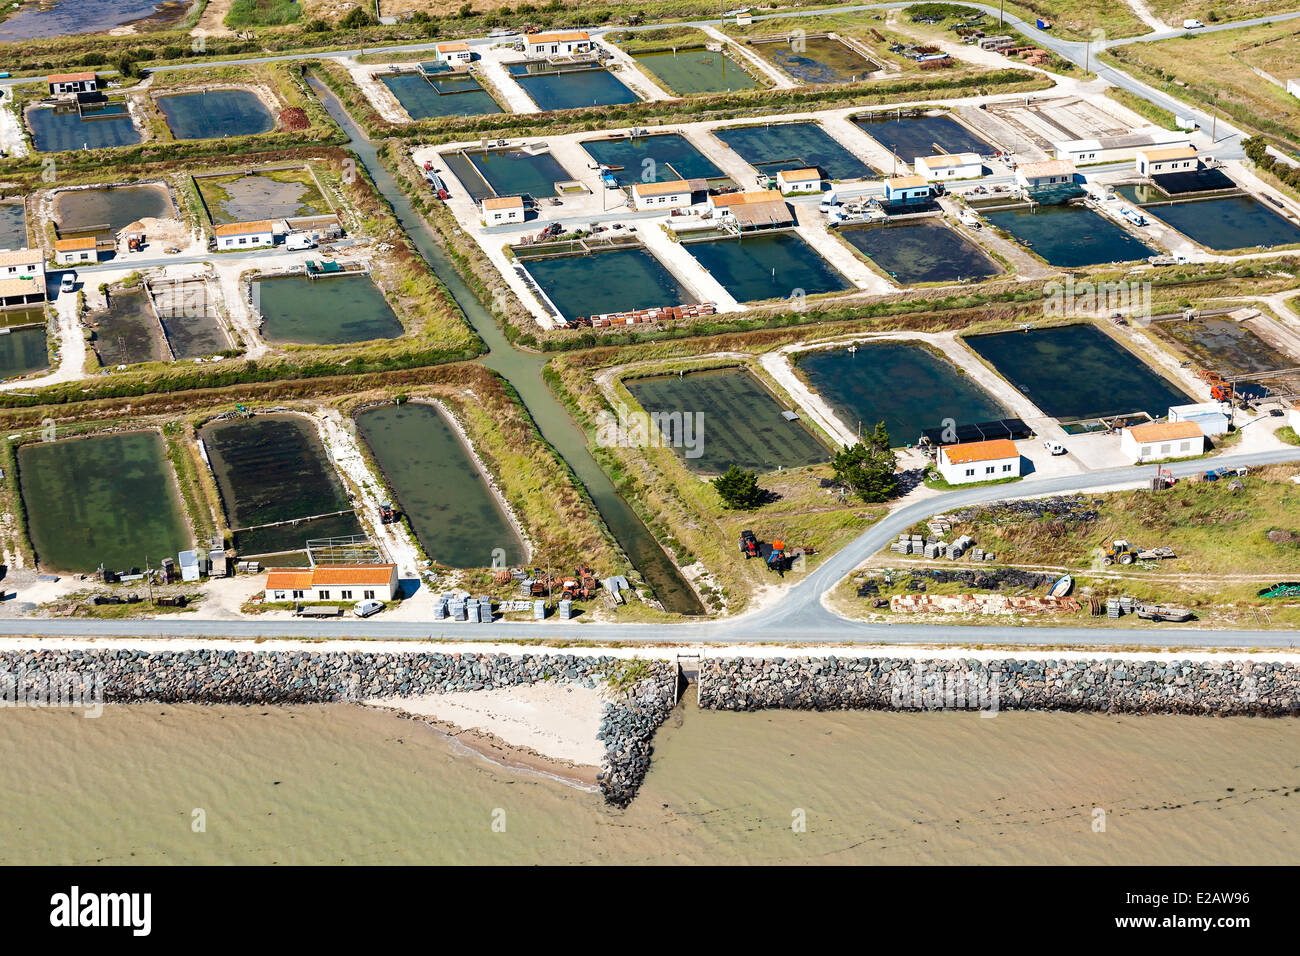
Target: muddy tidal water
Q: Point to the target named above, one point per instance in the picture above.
(339, 784)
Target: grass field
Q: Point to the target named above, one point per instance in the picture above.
(1173, 12)
(1071, 19)
(1221, 68)
(1216, 532)
(262, 13)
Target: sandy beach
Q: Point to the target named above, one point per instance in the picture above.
(549, 728)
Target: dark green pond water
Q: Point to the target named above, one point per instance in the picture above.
(1233, 222)
(907, 387)
(768, 265)
(95, 127)
(1077, 371)
(329, 311)
(770, 149)
(424, 98)
(741, 422)
(23, 351)
(274, 468)
(1070, 236)
(506, 172)
(571, 89)
(215, 113)
(108, 498)
(105, 211)
(437, 486)
(128, 332)
(616, 281)
(13, 226)
(911, 136)
(663, 158)
(697, 70)
(818, 59)
(923, 250)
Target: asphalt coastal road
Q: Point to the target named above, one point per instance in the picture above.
(799, 617)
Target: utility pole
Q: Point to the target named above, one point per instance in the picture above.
(1214, 121)
(1001, 4)
(1087, 54)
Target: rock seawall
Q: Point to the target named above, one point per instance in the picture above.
(628, 727)
(310, 677)
(1230, 686)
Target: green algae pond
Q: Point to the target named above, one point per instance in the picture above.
(23, 349)
(921, 250)
(722, 417)
(664, 157)
(1074, 372)
(904, 385)
(1070, 236)
(210, 114)
(566, 87)
(334, 310)
(817, 59)
(1221, 224)
(618, 280)
(910, 137)
(90, 126)
(802, 145)
(426, 97)
(697, 70)
(106, 499)
(767, 265)
(438, 486)
(277, 484)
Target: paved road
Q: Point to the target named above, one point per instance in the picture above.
(799, 618)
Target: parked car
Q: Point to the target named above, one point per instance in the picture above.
(1054, 447)
(69, 282)
(367, 608)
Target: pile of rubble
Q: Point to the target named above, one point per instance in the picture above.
(983, 604)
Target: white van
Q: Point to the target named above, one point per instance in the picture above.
(828, 202)
(69, 282)
(297, 241)
(1192, 24)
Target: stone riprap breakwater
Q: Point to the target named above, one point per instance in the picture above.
(627, 728)
(116, 675)
(1226, 687)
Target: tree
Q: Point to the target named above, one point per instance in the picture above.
(868, 467)
(739, 489)
(357, 17)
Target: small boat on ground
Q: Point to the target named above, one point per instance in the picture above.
(1061, 586)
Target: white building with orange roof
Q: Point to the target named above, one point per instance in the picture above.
(974, 461)
(245, 235)
(62, 84)
(559, 43)
(791, 181)
(1166, 160)
(503, 210)
(675, 194)
(456, 54)
(1157, 441)
(342, 582)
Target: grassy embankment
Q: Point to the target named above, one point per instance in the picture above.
(1217, 72)
(1229, 544)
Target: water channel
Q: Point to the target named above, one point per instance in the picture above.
(524, 371)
